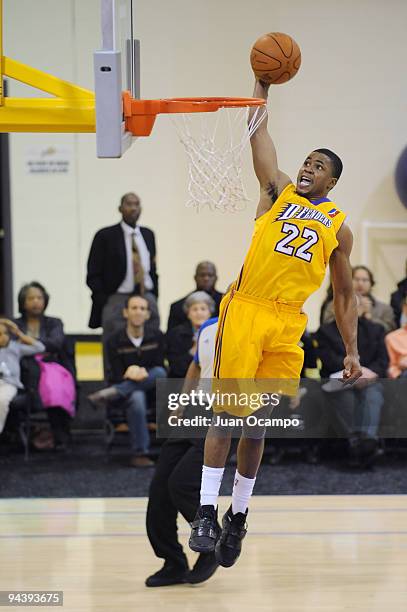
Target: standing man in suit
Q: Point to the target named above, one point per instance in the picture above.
(122, 261)
(205, 279)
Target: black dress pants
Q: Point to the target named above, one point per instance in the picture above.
(175, 488)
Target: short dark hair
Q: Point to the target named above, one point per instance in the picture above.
(369, 273)
(205, 263)
(22, 295)
(337, 165)
(136, 295)
(126, 195)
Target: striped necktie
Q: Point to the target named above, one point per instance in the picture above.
(138, 270)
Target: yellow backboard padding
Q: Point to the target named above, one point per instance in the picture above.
(47, 115)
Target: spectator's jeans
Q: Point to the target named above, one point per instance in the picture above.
(359, 410)
(7, 393)
(134, 394)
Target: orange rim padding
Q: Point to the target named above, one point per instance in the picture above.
(140, 115)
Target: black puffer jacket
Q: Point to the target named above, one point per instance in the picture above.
(371, 346)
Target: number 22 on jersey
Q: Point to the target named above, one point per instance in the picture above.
(292, 232)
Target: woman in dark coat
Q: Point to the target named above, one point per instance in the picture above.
(33, 300)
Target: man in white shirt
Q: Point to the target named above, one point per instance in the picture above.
(122, 261)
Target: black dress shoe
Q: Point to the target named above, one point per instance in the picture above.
(229, 545)
(363, 451)
(369, 451)
(205, 566)
(167, 576)
(205, 530)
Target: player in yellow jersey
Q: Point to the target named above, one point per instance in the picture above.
(298, 232)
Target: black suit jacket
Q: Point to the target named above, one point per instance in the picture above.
(107, 266)
(178, 316)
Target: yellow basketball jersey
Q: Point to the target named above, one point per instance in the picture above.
(290, 248)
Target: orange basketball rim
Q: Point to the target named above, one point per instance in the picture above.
(140, 115)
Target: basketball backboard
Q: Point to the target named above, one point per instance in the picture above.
(116, 68)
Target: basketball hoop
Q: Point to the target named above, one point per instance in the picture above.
(213, 143)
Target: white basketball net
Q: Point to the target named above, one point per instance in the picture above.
(214, 144)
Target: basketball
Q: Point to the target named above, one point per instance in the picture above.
(275, 58)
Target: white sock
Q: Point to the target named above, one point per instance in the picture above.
(242, 491)
(210, 485)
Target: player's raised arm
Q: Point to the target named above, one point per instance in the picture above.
(345, 306)
(272, 180)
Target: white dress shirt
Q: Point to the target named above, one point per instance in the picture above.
(131, 234)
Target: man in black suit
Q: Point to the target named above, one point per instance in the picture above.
(205, 279)
(122, 261)
(356, 410)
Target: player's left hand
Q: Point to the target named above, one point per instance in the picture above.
(352, 369)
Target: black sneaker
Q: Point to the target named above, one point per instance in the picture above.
(168, 575)
(205, 566)
(229, 545)
(205, 530)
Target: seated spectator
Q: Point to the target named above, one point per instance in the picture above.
(396, 344)
(11, 351)
(356, 410)
(397, 298)
(371, 308)
(182, 339)
(136, 356)
(33, 300)
(205, 279)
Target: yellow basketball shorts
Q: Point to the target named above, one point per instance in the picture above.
(258, 339)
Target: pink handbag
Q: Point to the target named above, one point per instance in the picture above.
(56, 386)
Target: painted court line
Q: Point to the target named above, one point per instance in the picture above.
(184, 533)
(143, 511)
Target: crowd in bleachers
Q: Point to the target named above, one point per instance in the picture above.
(123, 278)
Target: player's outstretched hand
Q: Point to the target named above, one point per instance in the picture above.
(266, 86)
(352, 369)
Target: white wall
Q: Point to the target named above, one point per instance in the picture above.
(350, 95)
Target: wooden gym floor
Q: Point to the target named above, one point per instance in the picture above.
(319, 553)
